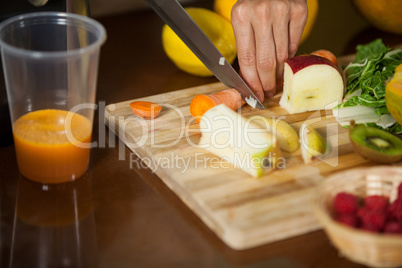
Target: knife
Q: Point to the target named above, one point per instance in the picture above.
(184, 26)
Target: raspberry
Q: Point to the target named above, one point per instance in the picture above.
(394, 211)
(345, 203)
(400, 190)
(347, 219)
(376, 202)
(361, 212)
(391, 211)
(393, 227)
(374, 218)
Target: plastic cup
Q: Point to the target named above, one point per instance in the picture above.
(50, 62)
(54, 225)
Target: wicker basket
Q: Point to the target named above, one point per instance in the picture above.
(376, 250)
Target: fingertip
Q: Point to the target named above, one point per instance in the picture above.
(260, 96)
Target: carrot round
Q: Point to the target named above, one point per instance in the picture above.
(202, 103)
(326, 54)
(145, 109)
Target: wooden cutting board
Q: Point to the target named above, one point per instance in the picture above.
(243, 211)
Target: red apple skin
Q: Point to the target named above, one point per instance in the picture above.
(300, 62)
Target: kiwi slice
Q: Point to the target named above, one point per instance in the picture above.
(375, 144)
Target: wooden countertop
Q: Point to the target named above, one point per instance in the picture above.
(122, 214)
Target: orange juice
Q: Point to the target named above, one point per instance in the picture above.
(52, 146)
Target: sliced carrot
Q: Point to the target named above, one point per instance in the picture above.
(145, 109)
(202, 103)
(326, 54)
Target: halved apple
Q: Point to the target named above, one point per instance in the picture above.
(311, 83)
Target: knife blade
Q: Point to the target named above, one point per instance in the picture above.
(174, 15)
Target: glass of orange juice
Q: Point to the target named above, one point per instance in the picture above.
(50, 62)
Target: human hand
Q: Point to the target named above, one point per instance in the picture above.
(267, 33)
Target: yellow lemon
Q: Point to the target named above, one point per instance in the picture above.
(312, 15)
(218, 30)
(224, 8)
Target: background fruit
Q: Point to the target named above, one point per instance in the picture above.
(384, 15)
(312, 15)
(393, 95)
(217, 28)
(224, 8)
